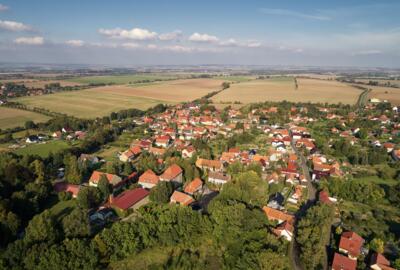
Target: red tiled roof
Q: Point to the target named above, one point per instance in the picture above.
(181, 198)
(171, 172)
(129, 198)
(63, 186)
(380, 260)
(324, 197)
(352, 243)
(341, 262)
(193, 186)
(149, 177)
(274, 214)
(112, 178)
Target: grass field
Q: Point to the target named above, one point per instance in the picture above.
(43, 150)
(102, 101)
(283, 88)
(10, 118)
(121, 79)
(385, 93)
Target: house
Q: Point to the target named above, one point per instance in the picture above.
(279, 216)
(90, 159)
(163, 141)
(148, 179)
(210, 165)
(63, 186)
(181, 198)
(194, 186)
(126, 156)
(396, 154)
(32, 139)
(113, 179)
(324, 198)
(102, 214)
(351, 244)
(379, 262)
(188, 152)
(276, 201)
(218, 178)
(284, 230)
(57, 135)
(130, 199)
(172, 174)
(341, 262)
(157, 151)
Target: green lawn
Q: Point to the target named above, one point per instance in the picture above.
(62, 208)
(43, 150)
(121, 79)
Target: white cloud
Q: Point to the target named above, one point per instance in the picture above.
(14, 26)
(130, 45)
(196, 37)
(134, 34)
(286, 12)
(3, 7)
(229, 43)
(368, 52)
(253, 44)
(75, 42)
(171, 36)
(178, 49)
(29, 40)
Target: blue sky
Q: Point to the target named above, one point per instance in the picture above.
(123, 33)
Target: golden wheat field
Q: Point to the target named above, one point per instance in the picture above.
(176, 91)
(385, 93)
(279, 89)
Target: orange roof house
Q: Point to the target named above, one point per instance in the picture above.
(341, 262)
(181, 198)
(113, 179)
(212, 165)
(194, 186)
(277, 215)
(351, 244)
(379, 262)
(172, 173)
(148, 179)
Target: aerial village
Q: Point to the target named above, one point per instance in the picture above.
(287, 156)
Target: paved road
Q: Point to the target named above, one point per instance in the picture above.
(312, 194)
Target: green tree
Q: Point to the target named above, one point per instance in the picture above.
(89, 197)
(162, 192)
(377, 245)
(76, 224)
(104, 187)
(72, 172)
(42, 228)
(39, 170)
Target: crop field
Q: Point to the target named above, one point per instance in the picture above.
(283, 88)
(88, 104)
(122, 79)
(10, 118)
(380, 81)
(102, 101)
(385, 93)
(176, 91)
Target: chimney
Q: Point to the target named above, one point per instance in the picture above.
(111, 198)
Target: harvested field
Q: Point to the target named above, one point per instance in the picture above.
(33, 83)
(385, 93)
(176, 91)
(279, 89)
(380, 81)
(88, 104)
(123, 79)
(10, 118)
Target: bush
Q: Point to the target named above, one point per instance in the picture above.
(64, 196)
